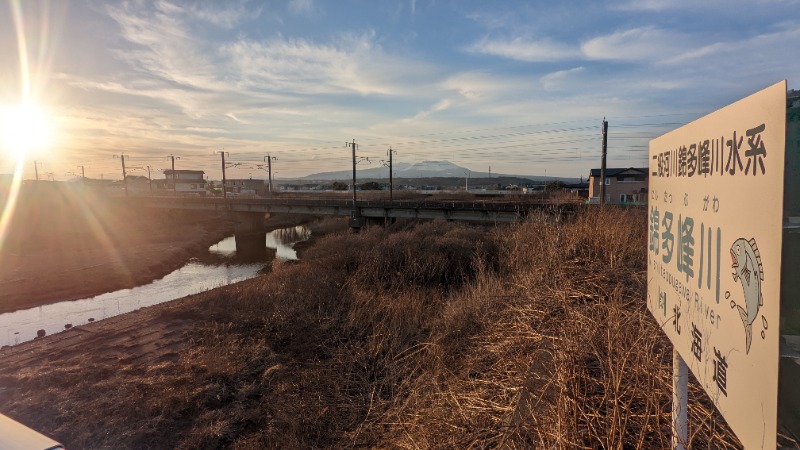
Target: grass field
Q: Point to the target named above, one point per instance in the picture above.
(419, 335)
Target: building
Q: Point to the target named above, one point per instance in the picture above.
(187, 182)
(246, 186)
(623, 186)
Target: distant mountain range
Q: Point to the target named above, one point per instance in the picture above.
(424, 169)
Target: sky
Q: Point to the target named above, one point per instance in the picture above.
(515, 87)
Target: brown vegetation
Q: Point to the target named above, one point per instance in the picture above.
(435, 335)
(65, 243)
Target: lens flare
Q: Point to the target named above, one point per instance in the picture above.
(24, 128)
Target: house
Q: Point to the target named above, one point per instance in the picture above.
(187, 182)
(246, 186)
(623, 186)
(138, 184)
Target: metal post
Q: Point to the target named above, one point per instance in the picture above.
(124, 175)
(680, 401)
(603, 163)
(36, 169)
(269, 159)
(353, 145)
(224, 192)
(269, 168)
(391, 184)
(174, 185)
(149, 179)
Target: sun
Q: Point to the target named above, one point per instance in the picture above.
(24, 128)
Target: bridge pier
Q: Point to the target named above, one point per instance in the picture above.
(250, 235)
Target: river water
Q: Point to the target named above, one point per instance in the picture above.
(219, 267)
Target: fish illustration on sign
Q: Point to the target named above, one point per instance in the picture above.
(749, 271)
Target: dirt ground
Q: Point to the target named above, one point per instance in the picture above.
(67, 244)
(37, 278)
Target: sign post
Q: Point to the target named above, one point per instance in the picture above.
(680, 402)
(714, 259)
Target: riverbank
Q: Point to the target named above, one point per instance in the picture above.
(435, 335)
(66, 244)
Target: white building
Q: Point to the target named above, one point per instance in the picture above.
(186, 181)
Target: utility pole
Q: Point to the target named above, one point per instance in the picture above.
(174, 186)
(149, 180)
(122, 157)
(83, 176)
(603, 163)
(391, 172)
(269, 159)
(224, 192)
(356, 212)
(466, 182)
(353, 146)
(36, 169)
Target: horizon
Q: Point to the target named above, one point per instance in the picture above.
(521, 87)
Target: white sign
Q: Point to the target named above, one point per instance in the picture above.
(714, 254)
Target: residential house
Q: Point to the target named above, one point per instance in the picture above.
(623, 186)
(246, 186)
(187, 182)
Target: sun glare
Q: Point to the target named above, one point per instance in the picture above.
(24, 128)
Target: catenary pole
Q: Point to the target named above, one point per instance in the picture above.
(269, 159)
(174, 186)
(224, 192)
(391, 174)
(149, 179)
(353, 146)
(603, 163)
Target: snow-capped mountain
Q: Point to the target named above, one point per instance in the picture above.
(424, 169)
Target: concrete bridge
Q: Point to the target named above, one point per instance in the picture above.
(248, 213)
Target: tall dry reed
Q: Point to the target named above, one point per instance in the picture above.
(435, 335)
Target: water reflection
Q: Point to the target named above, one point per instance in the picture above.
(283, 241)
(218, 267)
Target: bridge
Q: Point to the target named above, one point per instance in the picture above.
(249, 212)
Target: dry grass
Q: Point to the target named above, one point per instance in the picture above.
(430, 336)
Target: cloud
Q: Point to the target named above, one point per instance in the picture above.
(765, 46)
(556, 80)
(233, 116)
(690, 5)
(228, 17)
(485, 86)
(637, 44)
(301, 6)
(441, 105)
(525, 49)
(349, 64)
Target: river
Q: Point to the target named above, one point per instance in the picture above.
(219, 267)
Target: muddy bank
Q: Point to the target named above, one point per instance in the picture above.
(65, 244)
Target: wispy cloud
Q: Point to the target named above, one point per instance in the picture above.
(301, 6)
(636, 44)
(525, 49)
(351, 63)
(757, 47)
(671, 5)
(441, 105)
(558, 79)
(232, 14)
(485, 86)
